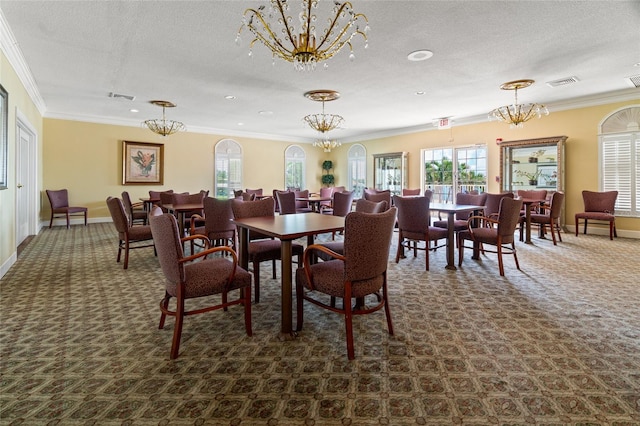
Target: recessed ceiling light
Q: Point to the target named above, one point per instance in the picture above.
(134, 110)
(240, 124)
(419, 55)
(420, 93)
(229, 97)
(637, 64)
(265, 113)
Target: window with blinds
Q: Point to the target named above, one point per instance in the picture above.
(620, 160)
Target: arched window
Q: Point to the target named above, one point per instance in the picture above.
(228, 169)
(619, 149)
(357, 169)
(294, 167)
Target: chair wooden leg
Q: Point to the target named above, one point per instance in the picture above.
(246, 295)
(67, 220)
(126, 253)
(558, 230)
(256, 279)
(119, 250)
(387, 309)
(177, 331)
(299, 306)
(398, 251)
(348, 321)
(460, 250)
(515, 255)
(611, 230)
(615, 233)
(164, 304)
(85, 219)
(51, 221)
(273, 266)
(500, 264)
(553, 233)
(585, 226)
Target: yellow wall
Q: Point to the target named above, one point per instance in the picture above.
(19, 100)
(86, 158)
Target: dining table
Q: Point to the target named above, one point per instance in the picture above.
(314, 201)
(148, 202)
(286, 228)
(528, 204)
(180, 209)
(452, 210)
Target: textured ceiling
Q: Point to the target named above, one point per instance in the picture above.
(184, 52)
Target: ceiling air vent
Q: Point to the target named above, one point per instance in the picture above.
(563, 81)
(634, 80)
(118, 95)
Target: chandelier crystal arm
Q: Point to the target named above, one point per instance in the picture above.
(342, 33)
(276, 47)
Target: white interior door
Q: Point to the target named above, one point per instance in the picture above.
(26, 190)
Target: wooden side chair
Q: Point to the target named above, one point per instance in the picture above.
(550, 216)
(136, 211)
(186, 279)
(59, 200)
(129, 237)
(360, 272)
(599, 206)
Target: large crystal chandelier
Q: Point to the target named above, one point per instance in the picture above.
(163, 126)
(516, 114)
(303, 46)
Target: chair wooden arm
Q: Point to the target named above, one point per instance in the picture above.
(193, 220)
(209, 251)
(482, 221)
(307, 256)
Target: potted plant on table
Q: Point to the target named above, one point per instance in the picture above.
(531, 176)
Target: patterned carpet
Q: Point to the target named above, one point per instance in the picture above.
(554, 344)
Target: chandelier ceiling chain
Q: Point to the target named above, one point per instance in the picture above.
(517, 114)
(163, 126)
(303, 47)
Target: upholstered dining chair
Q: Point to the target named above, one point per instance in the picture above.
(216, 224)
(360, 272)
(59, 200)
(599, 206)
(376, 196)
(287, 202)
(129, 237)
(262, 247)
(500, 234)
(186, 279)
(409, 192)
(413, 227)
(301, 206)
(492, 203)
(549, 215)
(257, 192)
(460, 222)
(326, 206)
(366, 206)
(135, 211)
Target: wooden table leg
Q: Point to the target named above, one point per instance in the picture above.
(527, 239)
(286, 332)
(450, 242)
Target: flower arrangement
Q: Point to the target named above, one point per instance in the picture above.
(145, 161)
(529, 175)
(533, 157)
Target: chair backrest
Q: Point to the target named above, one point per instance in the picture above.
(237, 192)
(217, 215)
(339, 189)
(275, 198)
(378, 196)
(166, 239)
(58, 198)
(533, 194)
(342, 202)
(287, 202)
(118, 215)
(406, 191)
(492, 202)
(413, 213)
(599, 201)
(257, 192)
(243, 209)
(186, 198)
(155, 195)
(326, 192)
(166, 197)
(366, 206)
(128, 206)
(245, 196)
(300, 194)
(367, 238)
(428, 193)
(557, 198)
(469, 199)
(508, 217)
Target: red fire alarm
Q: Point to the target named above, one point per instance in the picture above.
(498, 141)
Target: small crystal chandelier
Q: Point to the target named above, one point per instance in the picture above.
(516, 114)
(323, 123)
(327, 144)
(304, 47)
(163, 126)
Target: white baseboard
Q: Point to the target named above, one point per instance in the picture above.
(8, 264)
(603, 230)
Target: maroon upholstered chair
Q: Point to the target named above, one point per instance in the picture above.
(129, 237)
(59, 200)
(376, 196)
(135, 211)
(460, 222)
(262, 247)
(185, 279)
(366, 206)
(413, 226)
(492, 203)
(408, 192)
(287, 202)
(599, 206)
(360, 272)
(301, 206)
(499, 234)
(326, 206)
(550, 216)
(216, 224)
(257, 192)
